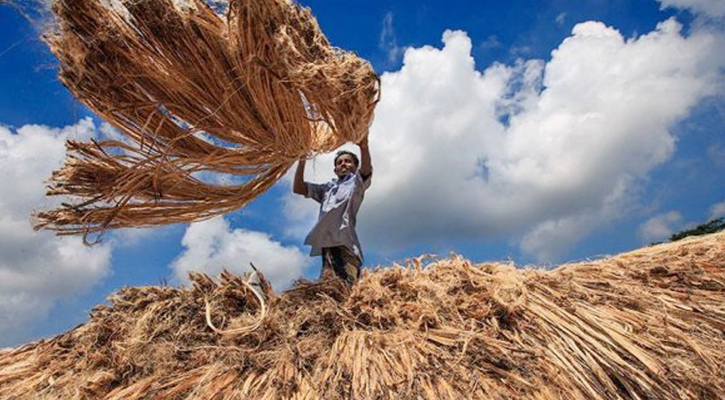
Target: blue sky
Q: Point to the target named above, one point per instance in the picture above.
(535, 131)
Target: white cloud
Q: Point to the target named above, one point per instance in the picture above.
(713, 8)
(660, 227)
(561, 18)
(38, 268)
(110, 132)
(389, 40)
(550, 240)
(491, 42)
(717, 211)
(212, 246)
(531, 149)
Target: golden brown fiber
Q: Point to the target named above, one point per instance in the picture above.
(649, 324)
(199, 98)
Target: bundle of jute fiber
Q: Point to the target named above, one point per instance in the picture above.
(199, 98)
(643, 325)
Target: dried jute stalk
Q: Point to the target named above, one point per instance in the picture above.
(200, 98)
(244, 329)
(644, 325)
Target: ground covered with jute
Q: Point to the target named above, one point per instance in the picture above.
(648, 324)
(211, 107)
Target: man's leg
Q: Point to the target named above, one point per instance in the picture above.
(346, 265)
(328, 264)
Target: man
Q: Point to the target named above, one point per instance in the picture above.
(334, 236)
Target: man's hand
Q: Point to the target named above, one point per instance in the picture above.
(364, 141)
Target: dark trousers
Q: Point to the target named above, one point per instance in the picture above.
(341, 262)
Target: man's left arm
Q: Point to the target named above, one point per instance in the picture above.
(366, 166)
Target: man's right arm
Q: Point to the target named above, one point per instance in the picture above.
(299, 186)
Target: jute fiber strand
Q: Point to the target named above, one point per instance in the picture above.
(198, 97)
(643, 325)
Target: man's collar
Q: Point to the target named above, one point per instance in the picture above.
(347, 176)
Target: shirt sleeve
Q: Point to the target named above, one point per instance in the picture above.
(316, 191)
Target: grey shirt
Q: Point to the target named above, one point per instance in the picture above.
(340, 201)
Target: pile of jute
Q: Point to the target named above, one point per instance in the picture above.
(213, 108)
(649, 324)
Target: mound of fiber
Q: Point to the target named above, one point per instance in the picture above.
(644, 325)
(200, 99)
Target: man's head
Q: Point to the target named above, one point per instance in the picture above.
(345, 162)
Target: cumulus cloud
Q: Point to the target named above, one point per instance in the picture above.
(212, 246)
(717, 210)
(550, 240)
(37, 268)
(660, 227)
(713, 8)
(541, 151)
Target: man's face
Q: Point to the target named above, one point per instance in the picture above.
(344, 165)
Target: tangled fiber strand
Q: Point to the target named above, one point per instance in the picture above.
(649, 324)
(199, 97)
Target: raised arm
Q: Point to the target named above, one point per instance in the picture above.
(299, 186)
(366, 166)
